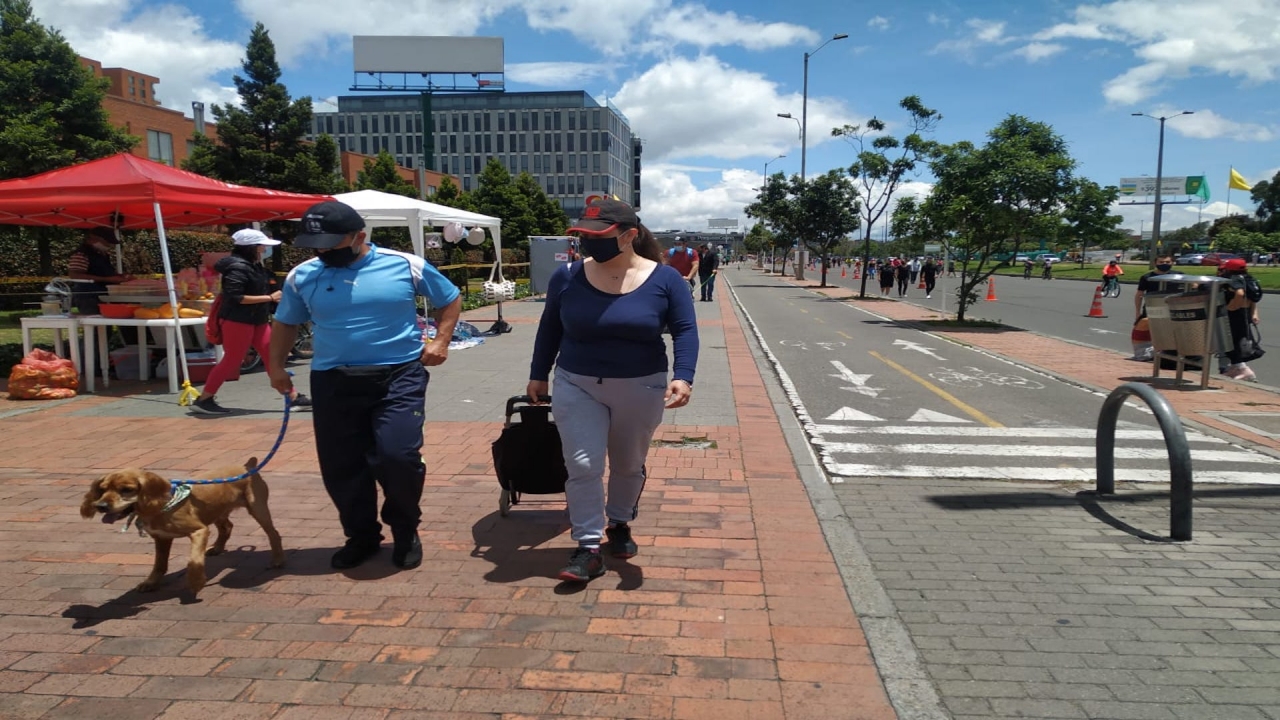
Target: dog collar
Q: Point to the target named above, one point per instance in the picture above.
(180, 493)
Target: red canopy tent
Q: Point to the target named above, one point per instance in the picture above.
(127, 192)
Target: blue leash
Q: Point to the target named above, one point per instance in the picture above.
(284, 425)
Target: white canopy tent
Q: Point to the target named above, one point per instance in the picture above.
(380, 209)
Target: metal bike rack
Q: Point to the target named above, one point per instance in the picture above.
(1175, 440)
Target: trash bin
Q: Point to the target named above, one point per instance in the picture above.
(1162, 332)
(1189, 315)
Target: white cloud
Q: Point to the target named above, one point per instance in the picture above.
(692, 108)
(1207, 124)
(166, 41)
(978, 32)
(1036, 51)
(1210, 212)
(878, 22)
(670, 200)
(556, 74)
(936, 19)
(697, 26)
(1174, 39)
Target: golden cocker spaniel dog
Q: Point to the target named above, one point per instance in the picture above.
(140, 497)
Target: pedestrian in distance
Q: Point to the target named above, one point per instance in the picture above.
(368, 376)
(708, 268)
(930, 273)
(903, 273)
(685, 260)
(244, 313)
(886, 280)
(1242, 296)
(915, 266)
(601, 329)
(951, 268)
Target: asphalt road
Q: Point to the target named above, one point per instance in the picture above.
(1058, 308)
(879, 399)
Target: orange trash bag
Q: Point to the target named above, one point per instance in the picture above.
(42, 375)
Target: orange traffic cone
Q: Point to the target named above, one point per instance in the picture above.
(1095, 311)
(842, 271)
(991, 289)
(921, 285)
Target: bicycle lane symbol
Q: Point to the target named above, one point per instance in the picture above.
(802, 345)
(973, 377)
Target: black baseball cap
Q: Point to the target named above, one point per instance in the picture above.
(325, 224)
(604, 216)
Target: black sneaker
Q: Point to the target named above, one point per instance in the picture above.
(407, 553)
(209, 406)
(584, 564)
(301, 401)
(354, 553)
(620, 543)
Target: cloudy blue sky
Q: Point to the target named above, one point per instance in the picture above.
(703, 82)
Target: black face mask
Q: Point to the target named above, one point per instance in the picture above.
(1164, 268)
(338, 257)
(601, 250)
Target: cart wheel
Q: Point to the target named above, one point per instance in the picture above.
(504, 503)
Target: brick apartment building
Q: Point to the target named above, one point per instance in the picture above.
(131, 105)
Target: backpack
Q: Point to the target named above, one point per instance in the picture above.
(1252, 290)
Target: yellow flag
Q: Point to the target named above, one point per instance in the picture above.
(1237, 181)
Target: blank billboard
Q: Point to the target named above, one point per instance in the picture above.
(418, 54)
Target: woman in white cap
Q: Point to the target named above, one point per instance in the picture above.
(245, 312)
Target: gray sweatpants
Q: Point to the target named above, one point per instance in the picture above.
(617, 416)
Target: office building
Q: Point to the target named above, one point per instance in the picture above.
(132, 106)
(573, 145)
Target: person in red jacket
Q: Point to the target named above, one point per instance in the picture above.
(684, 259)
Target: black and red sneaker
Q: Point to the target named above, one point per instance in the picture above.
(584, 564)
(620, 543)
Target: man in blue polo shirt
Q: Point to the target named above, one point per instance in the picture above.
(368, 375)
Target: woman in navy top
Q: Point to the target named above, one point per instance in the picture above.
(602, 328)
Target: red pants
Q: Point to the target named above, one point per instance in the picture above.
(237, 338)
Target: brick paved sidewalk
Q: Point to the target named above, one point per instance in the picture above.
(733, 608)
(1103, 370)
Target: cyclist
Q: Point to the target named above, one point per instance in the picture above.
(1027, 265)
(1111, 277)
(1047, 272)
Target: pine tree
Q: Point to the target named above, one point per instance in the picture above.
(380, 174)
(261, 143)
(548, 217)
(328, 166)
(448, 194)
(51, 113)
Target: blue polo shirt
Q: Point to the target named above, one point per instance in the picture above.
(363, 314)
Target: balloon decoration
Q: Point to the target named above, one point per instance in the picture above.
(476, 236)
(453, 232)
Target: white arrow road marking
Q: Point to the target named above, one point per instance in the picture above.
(847, 414)
(929, 416)
(858, 383)
(911, 345)
(1105, 332)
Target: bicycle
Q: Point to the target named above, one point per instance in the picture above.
(1111, 286)
(302, 350)
(1026, 272)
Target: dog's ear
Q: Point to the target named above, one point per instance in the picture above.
(87, 510)
(251, 464)
(153, 493)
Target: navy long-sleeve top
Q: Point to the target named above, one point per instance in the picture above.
(590, 332)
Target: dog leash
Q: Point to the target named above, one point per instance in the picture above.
(175, 485)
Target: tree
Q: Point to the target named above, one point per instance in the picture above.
(380, 173)
(548, 217)
(993, 198)
(757, 240)
(883, 160)
(1267, 194)
(1087, 218)
(823, 211)
(448, 194)
(328, 165)
(773, 208)
(1243, 242)
(260, 143)
(51, 113)
(1180, 240)
(496, 195)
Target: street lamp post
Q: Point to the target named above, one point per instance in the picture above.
(1155, 221)
(804, 104)
(764, 187)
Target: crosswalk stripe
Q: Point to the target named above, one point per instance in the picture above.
(845, 472)
(1001, 432)
(1046, 451)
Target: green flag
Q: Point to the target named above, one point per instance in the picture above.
(1197, 186)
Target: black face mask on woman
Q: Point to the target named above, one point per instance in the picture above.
(601, 250)
(338, 257)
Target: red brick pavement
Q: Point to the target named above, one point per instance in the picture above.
(733, 608)
(1096, 368)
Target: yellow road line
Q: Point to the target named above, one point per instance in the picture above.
(818, 319)
(806, 312)
(973, 412)
(846, 337)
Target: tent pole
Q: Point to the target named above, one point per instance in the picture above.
(500, 326)
(173, 301)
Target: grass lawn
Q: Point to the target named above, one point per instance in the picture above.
(11, 328)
